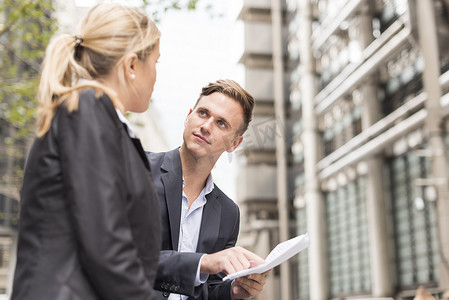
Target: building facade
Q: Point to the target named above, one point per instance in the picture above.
(363, 115)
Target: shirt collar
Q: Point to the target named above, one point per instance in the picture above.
(125, 121)
(208, 187)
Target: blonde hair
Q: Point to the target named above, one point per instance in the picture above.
(106, 34)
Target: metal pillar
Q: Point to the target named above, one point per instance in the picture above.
(429, 47)
(315, 206)
(270, 291)
(378, 235)
(281, 160)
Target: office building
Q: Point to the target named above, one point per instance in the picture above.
(364, 97)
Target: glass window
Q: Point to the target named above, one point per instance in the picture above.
(401, 78)
(415, 230)
(348, 245)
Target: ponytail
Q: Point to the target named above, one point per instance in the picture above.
(60, 81)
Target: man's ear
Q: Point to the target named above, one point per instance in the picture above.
(235, 143)
(185, 121)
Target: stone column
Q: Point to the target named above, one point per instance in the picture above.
(378, 234)
(316, 225)
(429, 48)
(281, 153)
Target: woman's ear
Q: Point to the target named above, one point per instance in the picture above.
(130, 63)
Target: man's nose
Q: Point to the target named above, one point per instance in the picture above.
(206, 126)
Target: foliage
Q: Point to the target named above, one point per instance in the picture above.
(162, 6)
(26, 30)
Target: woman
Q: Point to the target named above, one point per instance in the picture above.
(89, 225)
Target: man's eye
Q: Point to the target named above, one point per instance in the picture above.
(221, 124)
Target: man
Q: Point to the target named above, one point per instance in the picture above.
(200, 224)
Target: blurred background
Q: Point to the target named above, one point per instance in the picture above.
(349, 140)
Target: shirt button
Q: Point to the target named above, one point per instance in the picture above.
(165, 294)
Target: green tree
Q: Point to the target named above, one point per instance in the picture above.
(25, 29)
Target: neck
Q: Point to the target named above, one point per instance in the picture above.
(193, 168)
(195, 172)
(112, 83)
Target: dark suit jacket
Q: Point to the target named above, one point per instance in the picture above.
(89, 223)
(219, 230)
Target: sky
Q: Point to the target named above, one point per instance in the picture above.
(197, 48)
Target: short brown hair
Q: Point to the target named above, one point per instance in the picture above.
(233, 90)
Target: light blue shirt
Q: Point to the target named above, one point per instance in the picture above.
(189, 229)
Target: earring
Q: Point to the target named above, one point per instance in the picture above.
(133, 76)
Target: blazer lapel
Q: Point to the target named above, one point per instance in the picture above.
(139, 149)
(172, 181)
(210, 223)
(136, 142)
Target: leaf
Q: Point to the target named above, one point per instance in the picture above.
(192, 4)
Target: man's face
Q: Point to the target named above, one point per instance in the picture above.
(211, 128)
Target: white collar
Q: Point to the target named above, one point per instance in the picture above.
(207, 188)
(124, 120)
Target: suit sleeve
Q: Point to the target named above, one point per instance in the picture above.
(219, 289)
(177, 271)
(93, 173)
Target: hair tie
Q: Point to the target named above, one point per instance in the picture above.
(78, 40)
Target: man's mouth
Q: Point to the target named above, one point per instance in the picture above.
(201, 138)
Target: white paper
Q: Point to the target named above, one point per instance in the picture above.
(279, 254)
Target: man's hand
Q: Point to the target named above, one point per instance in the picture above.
(229, 261)
(248, 287)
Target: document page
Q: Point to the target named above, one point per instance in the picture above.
(279, 254)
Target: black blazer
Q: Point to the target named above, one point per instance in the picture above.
(219, 230)
(89, 223)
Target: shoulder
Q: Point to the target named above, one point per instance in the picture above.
(95, 115)
(155, 159)
(98, 107)
(169, 161)
(90, 103)
(89, 99)
(227, 203)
